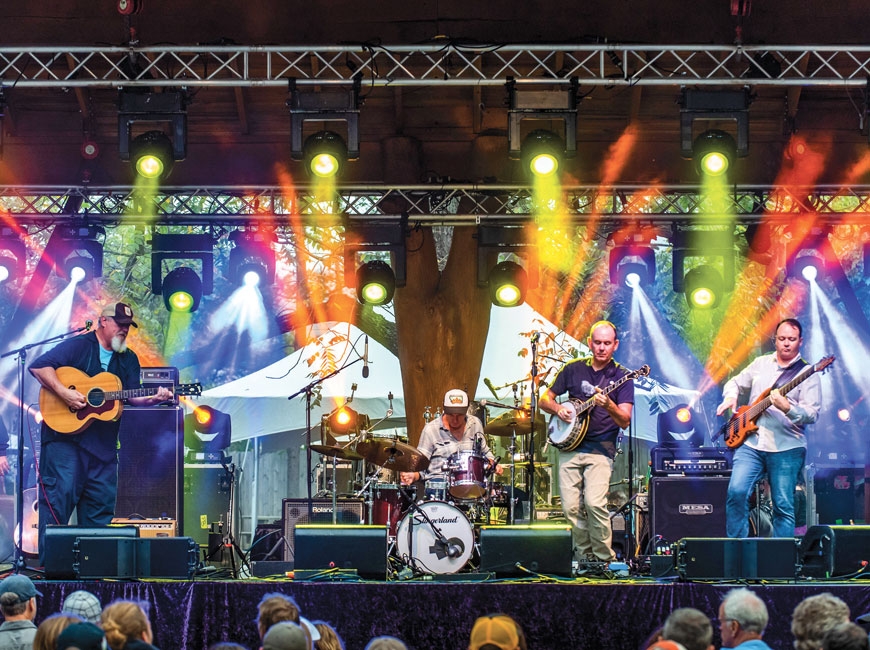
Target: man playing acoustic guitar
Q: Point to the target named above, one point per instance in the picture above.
(778, 446)
(584, 472)
(79, 469)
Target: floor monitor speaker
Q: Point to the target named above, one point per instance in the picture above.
(688, 506)
(150, 463)
(350, 511)
(526, 550)
(61, 550)
(834, 551)
(325, 546)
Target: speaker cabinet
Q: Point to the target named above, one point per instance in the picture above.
(831, 551)
(150, 463)
(206, 499)
(117, 557)
(688, 506)
(350, 511)
(539, 549)
(62, 549)
(749, 558)
(363, 548)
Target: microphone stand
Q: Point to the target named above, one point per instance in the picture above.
(534, 412)
(21, 359)
(308, 390)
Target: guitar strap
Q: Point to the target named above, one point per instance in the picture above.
(789, 373)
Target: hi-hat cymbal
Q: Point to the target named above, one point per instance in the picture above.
(337, 452)
(506, 424)
(392, 454)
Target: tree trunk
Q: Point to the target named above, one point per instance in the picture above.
(442, 320)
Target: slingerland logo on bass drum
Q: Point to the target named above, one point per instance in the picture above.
(696, 509)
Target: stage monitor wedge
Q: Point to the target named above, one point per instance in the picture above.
(526, 550)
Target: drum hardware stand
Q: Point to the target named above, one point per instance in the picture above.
(533, 415)
(20, 355)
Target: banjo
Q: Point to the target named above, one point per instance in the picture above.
(567, 436)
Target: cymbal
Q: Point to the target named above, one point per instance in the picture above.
(392, 454)
(506, 424)
(525, 465)
(337, 452)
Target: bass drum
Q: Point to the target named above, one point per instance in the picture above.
(418, 544)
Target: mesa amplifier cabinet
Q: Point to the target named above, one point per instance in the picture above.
(687, 506)
(295, 511)
(150, 463)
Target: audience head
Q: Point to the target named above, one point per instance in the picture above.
(846, 636)
(689, 627)
(386, 643)
(813, 617)
(125, 620)
(329, 639)
(277, 608)
(81, 636)
(286, 635)
(50, 629)
(84, 604)
(18, 598)
(226, 645)
(742, 617)
(664, 644)
(495, 632)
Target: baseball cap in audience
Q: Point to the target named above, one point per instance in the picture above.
(285, 635)
(83, 603)
(83, 636)
(499, 631)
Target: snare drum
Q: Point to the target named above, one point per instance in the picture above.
(417, 541)
(467, 476)
(436, 488)
(388, 504)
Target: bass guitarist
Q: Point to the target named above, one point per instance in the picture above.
(584, 473)
(778, 446)
(80, 471)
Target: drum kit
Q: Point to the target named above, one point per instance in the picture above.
(432, 528)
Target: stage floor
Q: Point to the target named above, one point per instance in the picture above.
(432, 614)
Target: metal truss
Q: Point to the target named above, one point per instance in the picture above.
(429, 205)
(448, 63)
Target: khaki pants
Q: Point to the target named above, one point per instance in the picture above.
(584, 481)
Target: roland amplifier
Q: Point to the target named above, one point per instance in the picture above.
(295, 512)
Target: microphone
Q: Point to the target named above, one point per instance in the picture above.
(365, 370)
(535, 336)
(488, 383)
(453, 550)
(88, 325)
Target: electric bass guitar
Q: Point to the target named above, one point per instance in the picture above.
(742, 423)
(103, 395)
(567, 436)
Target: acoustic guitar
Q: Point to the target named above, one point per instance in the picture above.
(103, 394)
(742, 423)
(567, 436)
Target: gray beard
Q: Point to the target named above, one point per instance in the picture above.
(119, 345)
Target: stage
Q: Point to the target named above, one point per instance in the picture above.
(431, 614)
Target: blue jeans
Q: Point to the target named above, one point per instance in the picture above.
(782, 469)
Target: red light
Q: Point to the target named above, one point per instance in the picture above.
(683, 415)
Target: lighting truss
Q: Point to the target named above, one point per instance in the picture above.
(604, 64)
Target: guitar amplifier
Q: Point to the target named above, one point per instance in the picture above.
(350, 511)
(154, 377)
(691, 461)
(150, 527)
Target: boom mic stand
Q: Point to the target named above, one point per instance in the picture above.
(21, 358)
(533, 415)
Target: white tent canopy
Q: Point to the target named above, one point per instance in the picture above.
(258, 403)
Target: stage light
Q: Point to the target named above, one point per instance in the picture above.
(678, 426)
(325, 154)
(77, 254)
(506, 263)
(325, 151)
(151, 154)
(252, 258)
(207, 429)
(543, 150)
(375, 280)
(542, 153)
(714, 151)
(632, 266)
(13, 256)
(705, 284)
(343, 420)
(376, 283)
(844, 414)
(155, 151)
(182, 288)
(807, 264)
(703, 287)
(507, 284)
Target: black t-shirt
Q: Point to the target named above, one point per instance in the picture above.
(579, 379)
(83, 353)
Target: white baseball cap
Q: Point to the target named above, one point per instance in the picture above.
(455, 401)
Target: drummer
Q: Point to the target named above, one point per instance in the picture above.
(445, 436)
